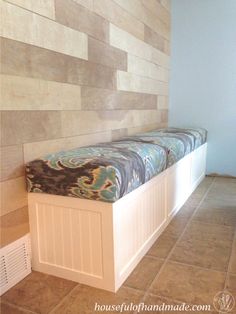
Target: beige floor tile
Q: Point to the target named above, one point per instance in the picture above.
(232, 264)
(144, 273)
(216, 216)
(11, 309)
(168, 306)
(39, 292)
(83, 299)
(231, 284)
(213, 202)
(188, 284)
(176, 226)
(208, 254)
(186, 211)
(209, 232)
(162, 247)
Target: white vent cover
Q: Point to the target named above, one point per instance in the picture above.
(15, 263)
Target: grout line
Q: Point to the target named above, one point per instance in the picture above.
(62, 300)
(228, 273)
(14, 306)
(179, 239)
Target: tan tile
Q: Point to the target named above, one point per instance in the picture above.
(209, 232)
(232, 264)
(226, 203)
(83, 299)
(162, 305)
(208, 254)
(134, 83)
(38, 149)
(80, 18)
(216, 216)
(24, 93)
(14, 225)
(186, 211)
(16, 187)
(176, 226)
(231, 284)
(188, 284)
(120, 17)
(162, 247)
(29, 126)
(103, 53)
(6, 308)
(11, 158)
(118, 134)
(45, 8)
(104, 99)
(39, 292)
(23, 25)
(144, 273)
(48, 65)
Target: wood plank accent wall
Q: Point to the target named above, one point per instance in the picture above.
(73, 73)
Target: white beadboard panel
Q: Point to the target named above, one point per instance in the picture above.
(24, 93)
(22, 25)
(145, 68)
(147, 211)
(98, 243)
(127, 42)
(37, 149)
(76, 231)
(42, 7)
(134, 83)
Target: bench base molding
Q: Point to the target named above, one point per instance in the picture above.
(98, 243)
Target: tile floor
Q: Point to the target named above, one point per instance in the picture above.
(191, 261)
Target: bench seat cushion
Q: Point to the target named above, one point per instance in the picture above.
(108, 171)
(103, 172)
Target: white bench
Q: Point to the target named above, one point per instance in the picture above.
(98, 243)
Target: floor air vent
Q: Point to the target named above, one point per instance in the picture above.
(15, 263)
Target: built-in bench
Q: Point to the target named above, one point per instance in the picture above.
(96, 210)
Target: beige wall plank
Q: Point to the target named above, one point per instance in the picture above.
(44, 64)
(22, 25)
(86, 3)
(118, 16)
(14, 225)
(28, 126)
(143, 128)
(154, 39)
(136, 8)
(105, 120)
(125, 41)
(166, 4)
(38, 149)
(11, 158)
(104, 99)
(42, 7)
(102, 53)
(13, 195)
(157, 9)
(162, 102)
(78, 17)
(24, 93)
(145, 68)
(131, 82)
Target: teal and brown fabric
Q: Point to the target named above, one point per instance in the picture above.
(108, 171)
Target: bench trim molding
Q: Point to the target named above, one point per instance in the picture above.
(99, 244)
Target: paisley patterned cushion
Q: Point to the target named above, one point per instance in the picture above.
(108, 171)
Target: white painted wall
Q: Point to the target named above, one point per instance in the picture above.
(203, 75)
